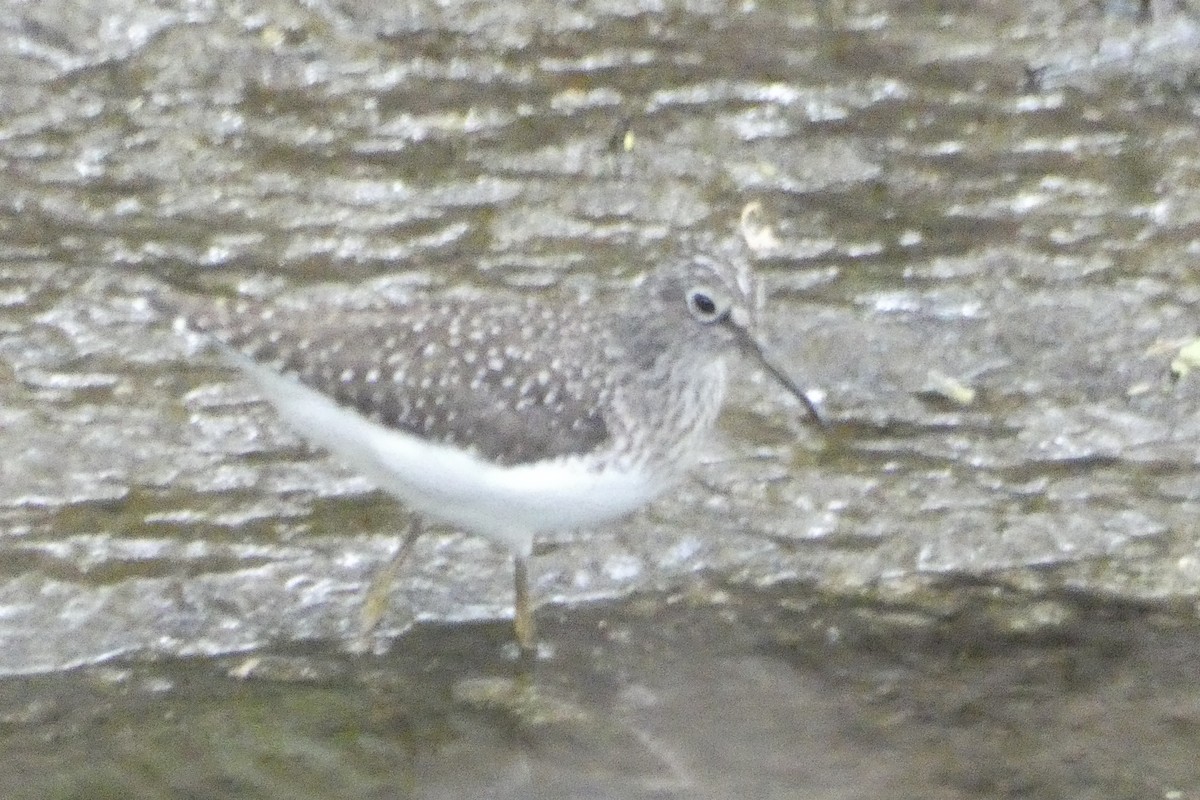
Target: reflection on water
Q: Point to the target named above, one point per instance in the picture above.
(778, 695)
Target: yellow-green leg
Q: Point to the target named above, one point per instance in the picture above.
(523, 622)
(375, 602)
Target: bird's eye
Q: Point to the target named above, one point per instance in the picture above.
(706, 305)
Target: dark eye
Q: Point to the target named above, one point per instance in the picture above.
(706, 305)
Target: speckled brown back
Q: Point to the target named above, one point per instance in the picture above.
(513, 380)
(499, 379)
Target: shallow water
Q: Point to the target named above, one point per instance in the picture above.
(756, 694)
(977, 225)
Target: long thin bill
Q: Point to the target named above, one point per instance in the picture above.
(813, 406)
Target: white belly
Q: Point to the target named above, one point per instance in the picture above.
(506, 504)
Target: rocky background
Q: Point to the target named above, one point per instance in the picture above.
(976, 222)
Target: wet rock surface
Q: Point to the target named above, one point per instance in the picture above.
(977, 227)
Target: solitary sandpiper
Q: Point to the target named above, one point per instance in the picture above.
(503, 418)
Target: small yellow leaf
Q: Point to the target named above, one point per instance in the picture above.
(1187, 359)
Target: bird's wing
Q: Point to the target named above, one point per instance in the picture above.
(502, 380)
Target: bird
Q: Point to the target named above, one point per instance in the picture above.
(503, 416)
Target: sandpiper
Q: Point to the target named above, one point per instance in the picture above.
(504, 418)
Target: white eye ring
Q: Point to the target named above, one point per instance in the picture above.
(707, 305)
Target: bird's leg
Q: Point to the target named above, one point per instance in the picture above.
(523, 621)
(376, 600)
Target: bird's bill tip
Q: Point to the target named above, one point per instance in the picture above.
(813, 399)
